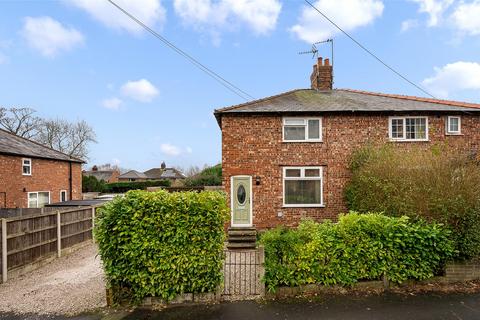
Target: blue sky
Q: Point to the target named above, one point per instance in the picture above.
(81, 59)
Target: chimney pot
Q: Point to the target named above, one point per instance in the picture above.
(327, 62)
(320, 61)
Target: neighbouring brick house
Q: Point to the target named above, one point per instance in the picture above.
(286, 157)
(32, 175)
(108, 175)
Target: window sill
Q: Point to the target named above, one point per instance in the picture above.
(28, 175)
(303, 206)
(411, 140)
(454, 134)
(302, 141)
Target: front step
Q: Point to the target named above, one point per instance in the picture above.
(241, 245)
(242, 238)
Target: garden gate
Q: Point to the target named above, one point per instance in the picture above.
(243, 271)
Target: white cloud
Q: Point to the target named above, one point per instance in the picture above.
(454, 77)
(150, 12)
(466, 17)
(141, 90)
(173, 150)
(112, 103)
(49, 36)
(348, 14)
(259, 15)
(434, 9)
(408, 24)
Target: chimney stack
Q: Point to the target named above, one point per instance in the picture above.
(322, 75)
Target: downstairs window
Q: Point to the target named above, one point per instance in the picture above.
(303, 186)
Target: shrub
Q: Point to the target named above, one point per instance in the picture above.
(162, 244)
(211, 176)
(358, 247)
(92, 184)
(435, 185)
(121, 187)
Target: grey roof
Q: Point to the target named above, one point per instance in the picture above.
(104, 175)
(338, 100)
(172, 173)
(16, 145)
(154, 173)
(132, 174)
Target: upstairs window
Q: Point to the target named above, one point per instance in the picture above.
(302, 129)
(453, 125)
(408, 128)
(27, 167)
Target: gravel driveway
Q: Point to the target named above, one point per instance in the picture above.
(69, 285)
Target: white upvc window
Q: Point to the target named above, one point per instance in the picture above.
(454, 125)
(63, 195)
(408, 128)
(26, 167)
(303, 187)
(38, 199)
(302, 129)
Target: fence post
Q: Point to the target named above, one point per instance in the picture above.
(59, 235)
(93, 223)
(4, 251)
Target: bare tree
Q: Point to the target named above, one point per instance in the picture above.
(70, 138)
(20, 121)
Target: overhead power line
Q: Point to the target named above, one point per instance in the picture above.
(370, 52)
(224, 82)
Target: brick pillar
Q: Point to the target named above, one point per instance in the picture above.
(322, 75)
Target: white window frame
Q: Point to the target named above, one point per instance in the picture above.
(305, 123)
(459, 126)
(37, 192)
(302, 177)
(29, 165)
(404, 138)
(66, 195)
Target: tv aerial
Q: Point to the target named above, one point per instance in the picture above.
(314, 50)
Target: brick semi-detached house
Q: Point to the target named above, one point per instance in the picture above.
(286, 157)
(32, 175)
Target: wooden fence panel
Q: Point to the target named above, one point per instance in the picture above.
(76, 227)
(32, 238)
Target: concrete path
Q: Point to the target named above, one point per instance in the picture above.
(387, 306)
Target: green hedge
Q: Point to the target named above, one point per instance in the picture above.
(358, 247)
(162, 244)
(437, 184)
(121, 187)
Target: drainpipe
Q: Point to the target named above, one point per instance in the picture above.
(70, 180)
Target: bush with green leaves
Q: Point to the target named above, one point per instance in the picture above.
(92, 184)
(162, 244)
(437, 184)
(121, 187)
(211, 176)
(358, 247)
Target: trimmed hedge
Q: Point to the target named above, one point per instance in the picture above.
(162, 244)
(121, 187)
(358, 247)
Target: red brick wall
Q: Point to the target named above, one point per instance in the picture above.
(47, 175)
(252, 145)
